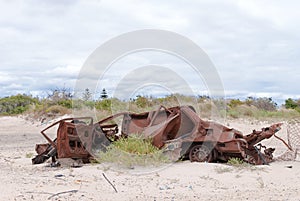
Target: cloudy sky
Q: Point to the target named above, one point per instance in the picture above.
(254, 45)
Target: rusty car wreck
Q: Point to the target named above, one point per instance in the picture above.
(179, 131)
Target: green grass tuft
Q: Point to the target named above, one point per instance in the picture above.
(133, 151)
(236, 162)
(29, 155)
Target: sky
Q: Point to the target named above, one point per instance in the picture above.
(254, 45)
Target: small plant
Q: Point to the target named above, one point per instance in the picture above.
(135, 145)
(233, 113)
(234, 103)
(29, 155)
(57, 109)
(133, 151)
(142, 102)
(104, 104)
(94, 161)
(236, 162)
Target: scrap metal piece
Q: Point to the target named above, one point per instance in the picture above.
(76, 137)
(45, 151)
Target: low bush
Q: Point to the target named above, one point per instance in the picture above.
(235, 102)
(65, 103)
(133, 151)
(235, 162)
(104, 104)
(61, 101)
(16, 104)
(57, 109)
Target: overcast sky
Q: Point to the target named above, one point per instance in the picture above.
(254, 45)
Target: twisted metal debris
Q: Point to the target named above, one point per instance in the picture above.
(179, 131)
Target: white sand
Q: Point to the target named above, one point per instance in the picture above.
(180, 181)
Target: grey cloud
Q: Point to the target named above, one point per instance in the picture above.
(254, 45)
(156, 76)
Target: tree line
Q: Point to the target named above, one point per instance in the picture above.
(55, 99)
(61, 99)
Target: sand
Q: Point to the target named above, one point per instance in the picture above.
(20, 180)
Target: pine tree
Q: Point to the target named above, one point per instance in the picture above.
(87, 95)
(103, 94)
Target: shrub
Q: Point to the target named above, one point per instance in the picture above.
(248, 111)
(135, 145)
(82, 104)
(266, 104)
(57, 109)
(291, 104)
(16, 104)
(29, 155)
(77, 104)
(234, 103)
(235, 162)
(89, 104)
(104, 104)
(142, 102)
(65, 103)
(133, 151)
(233, 113)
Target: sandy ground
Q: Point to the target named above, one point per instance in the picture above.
(179, 181)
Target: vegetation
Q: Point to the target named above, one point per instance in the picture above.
(62, 101)
(16, 104)
(292, 104)
(235, 162)
(260, 108)
(29, 155)
(266, 104)
(133, 151)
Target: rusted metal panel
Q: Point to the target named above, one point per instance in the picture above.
(73, 140)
